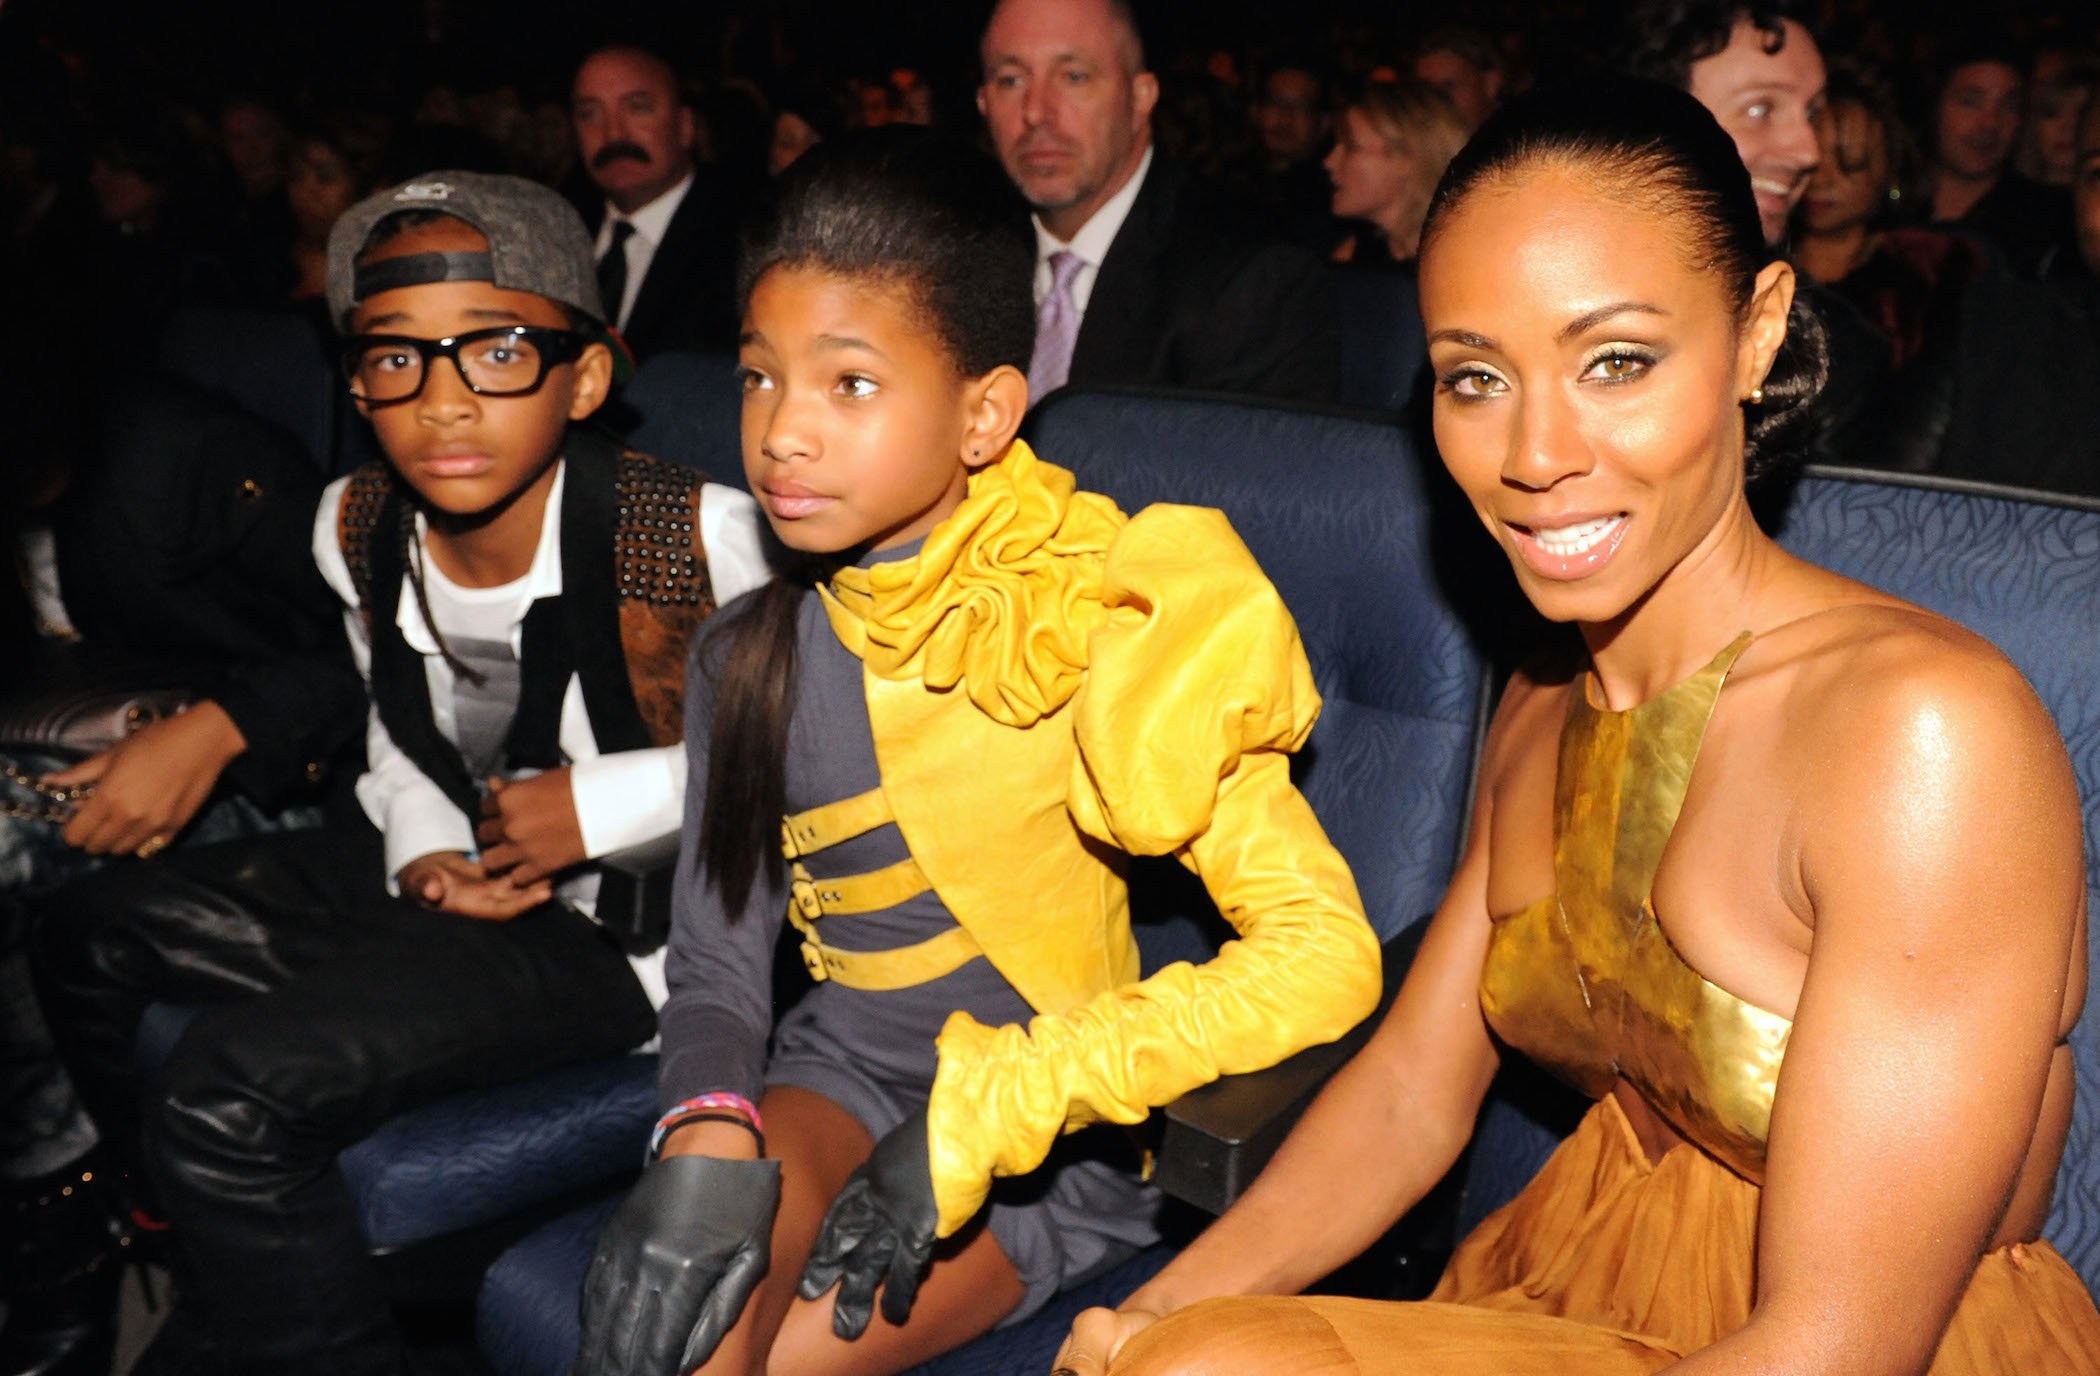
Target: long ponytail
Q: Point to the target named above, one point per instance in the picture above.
(754, 695)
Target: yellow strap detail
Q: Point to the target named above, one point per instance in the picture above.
(820, 828)
(882, 971)
(855, 893)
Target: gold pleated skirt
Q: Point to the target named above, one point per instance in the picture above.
(1606, 1263)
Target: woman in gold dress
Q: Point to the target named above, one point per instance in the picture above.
(1813, 943)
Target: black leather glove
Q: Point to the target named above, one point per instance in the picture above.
(879, 1231)
(676, 1264)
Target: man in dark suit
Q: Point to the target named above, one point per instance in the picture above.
(666, 234)
(1143, 274)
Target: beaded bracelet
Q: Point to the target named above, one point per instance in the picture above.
(689, 1110)
(743, 1123)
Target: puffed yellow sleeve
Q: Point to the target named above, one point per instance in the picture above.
(1197, 689)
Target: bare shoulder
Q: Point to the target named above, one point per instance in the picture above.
(1883, 673)
(1899, 735)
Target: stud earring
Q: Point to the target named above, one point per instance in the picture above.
(1757, 396)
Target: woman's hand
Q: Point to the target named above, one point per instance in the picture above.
(450, 882)
(148, 786)
(1097, 1336)
(677, 1264)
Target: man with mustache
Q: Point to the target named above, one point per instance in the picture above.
(666, 233)
(1143, 275)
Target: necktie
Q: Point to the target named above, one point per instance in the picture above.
(1056, 328)
(612, 272)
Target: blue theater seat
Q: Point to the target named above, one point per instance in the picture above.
(2021, 569)
(688, 409)
(1346, 519)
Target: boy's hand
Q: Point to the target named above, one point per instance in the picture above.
(529, 829)
(149, 785)
(447, 880)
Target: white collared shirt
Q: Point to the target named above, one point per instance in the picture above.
(1091, 243)
(622, 799)
(651, 222)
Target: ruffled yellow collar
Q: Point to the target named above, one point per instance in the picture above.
(1000, 599)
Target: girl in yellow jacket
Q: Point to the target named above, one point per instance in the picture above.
(931, 748)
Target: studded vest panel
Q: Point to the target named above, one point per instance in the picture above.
(658, 565)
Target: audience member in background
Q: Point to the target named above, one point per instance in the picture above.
(1758, 70)
(871, 102)
(1144, 275)
(1972, 187)
(666, 233)
(1393, 146)
(2012, 401)
(257, 145)
(2049, 143)
(1906, 281)
(915, 102)
(1466, 68)
(164, 241)
(1292, 131)
(803, 117)
(334, 166)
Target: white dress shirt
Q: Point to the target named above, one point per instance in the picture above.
(651, 222)
(1091, 243)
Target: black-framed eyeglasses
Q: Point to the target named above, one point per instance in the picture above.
(503, 361)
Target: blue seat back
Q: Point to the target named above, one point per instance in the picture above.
(1383, 349)
(688, 409)
(1342, 514)
(2023, 571)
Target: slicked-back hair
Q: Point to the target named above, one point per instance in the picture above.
(1657, 147)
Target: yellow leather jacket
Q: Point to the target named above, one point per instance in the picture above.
(1100, 684)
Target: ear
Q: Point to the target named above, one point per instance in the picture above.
(993, 406)
(1491, 82)
(1144, 95)
(980, 102)
(1764, 328)
(592, 382)
(688, 129)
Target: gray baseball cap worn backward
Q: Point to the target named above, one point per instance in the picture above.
(537, 242)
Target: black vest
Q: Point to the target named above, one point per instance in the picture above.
(634, 587)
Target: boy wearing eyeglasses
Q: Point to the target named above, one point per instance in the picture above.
(520, 595)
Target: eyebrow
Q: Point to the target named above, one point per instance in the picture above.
(848, 341)
(1465, 337)
(1581, 324)
(1590, 320)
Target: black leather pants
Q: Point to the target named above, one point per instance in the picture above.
(328, 1007)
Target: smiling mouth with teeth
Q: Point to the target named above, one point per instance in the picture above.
(1566, 542)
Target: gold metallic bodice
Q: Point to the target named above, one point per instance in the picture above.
(1586, 982)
